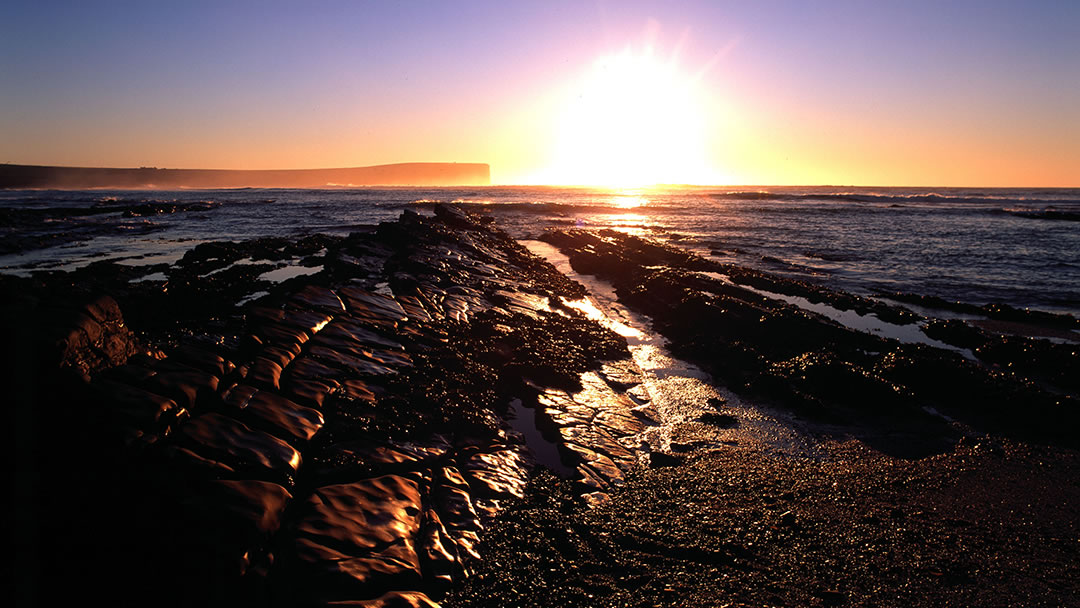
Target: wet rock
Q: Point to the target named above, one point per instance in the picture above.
(310, 322)
(218, 437)
(310, 392)
(769, 348)
(274, 414)
(179, 458)
(1010, 313)
(315, 298)
(392, 599)
(348, 330)
(190, 388)
(958, 387)
(522, 302)
(596, 499)
(278, 333)
(647, 414)
(820, 294)
(203, 360)
(620, 423)
(264, 314)
(265, 372)
(414, 309)
(598, 465)
(364, 516)
(621, 374)
(386, 370)
(280, 355)
(322, 574)
(307, 367)
(132, 407)
(235, 519)
(599, 441)
(359, 537)
(955, 332)
(360, 361)
(498, 473)
(366, 458)
(438, 553)
(590, 480)
(128, 373)
(363, 303)
(92, 337)
(358, 258)
(453, 501)
(358, 390)
(563, 409)
(1042, 360)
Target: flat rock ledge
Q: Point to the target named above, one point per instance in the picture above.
(344, 446)
(906, 399)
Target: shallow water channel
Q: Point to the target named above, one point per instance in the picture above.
(681, 394)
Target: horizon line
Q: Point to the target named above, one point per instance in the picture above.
(477, 164)
(516, 185)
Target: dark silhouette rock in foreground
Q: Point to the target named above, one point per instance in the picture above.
(340, 439)
(355, 436)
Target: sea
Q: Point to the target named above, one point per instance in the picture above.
(1019, 247)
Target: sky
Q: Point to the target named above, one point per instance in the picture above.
(600, 92)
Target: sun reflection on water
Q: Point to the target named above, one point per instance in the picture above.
(630, 223)
(628, 201)
(590, 310)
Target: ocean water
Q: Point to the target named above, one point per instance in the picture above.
(975, 245)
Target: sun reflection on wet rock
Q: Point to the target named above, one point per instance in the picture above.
(358, 421)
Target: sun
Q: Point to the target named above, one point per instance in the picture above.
(633, 119)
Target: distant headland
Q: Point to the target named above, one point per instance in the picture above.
(400, 174)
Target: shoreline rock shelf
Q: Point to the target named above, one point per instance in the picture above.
(347, 442)
(900, 397)
(349, 436)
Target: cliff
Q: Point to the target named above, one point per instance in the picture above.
(401, 174)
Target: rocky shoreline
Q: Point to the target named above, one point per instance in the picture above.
(989, 523)
(339, 440)
(718, 316)
(380, 430)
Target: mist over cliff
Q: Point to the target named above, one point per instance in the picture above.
(400, 174)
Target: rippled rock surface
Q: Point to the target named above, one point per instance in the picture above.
(339, 439)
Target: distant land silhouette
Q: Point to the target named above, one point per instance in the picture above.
(401, 174)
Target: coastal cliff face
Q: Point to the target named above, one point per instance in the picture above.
(400, 174)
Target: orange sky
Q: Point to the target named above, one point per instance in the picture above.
(612, 94)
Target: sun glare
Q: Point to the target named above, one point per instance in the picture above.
(632, 120)
(625, 200)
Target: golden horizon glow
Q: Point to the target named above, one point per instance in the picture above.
(731, 94)
(631, 120)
